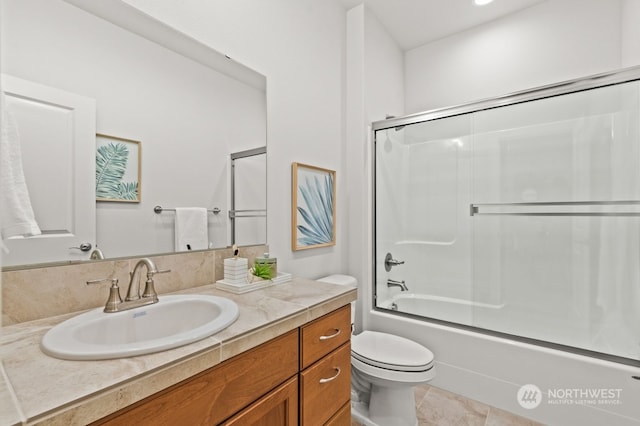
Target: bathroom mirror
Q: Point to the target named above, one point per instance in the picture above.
(184, 107)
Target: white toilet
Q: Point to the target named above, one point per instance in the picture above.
(385, 369)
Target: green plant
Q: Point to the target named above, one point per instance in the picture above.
(262, 270)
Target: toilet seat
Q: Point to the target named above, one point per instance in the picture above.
(390, 352)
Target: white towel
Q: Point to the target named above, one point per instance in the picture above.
(16, 213)
(191, 229)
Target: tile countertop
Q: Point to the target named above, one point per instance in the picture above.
(60, 392)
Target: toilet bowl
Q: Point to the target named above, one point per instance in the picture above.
(385, 370)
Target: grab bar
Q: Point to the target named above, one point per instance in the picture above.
(476, 209)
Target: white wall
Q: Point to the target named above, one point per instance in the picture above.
(188, 117)
(630, 33)
(550, 42)
(299, 46)
(384, 71)
(374, 89)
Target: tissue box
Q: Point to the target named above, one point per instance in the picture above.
(235, 270)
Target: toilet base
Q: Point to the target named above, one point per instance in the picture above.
(388, 406)
(360, 413)
(393, 405)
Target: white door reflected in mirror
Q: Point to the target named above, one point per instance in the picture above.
(56, 132)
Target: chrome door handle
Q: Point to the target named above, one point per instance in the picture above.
(331, 378)
(331, 336)
(83, 247)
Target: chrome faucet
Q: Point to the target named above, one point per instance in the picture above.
(134, 299)
(394, 283)
(96, 254)
(133, 292)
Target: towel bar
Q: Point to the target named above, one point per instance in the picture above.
(160, 209)
(233, 214)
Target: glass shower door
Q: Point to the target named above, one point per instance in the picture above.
(555, 218)
(248, 212)
(422, 219)
(520, 220)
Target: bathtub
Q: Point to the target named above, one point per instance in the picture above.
(493, 369)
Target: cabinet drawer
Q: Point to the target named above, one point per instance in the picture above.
(323, 335)
(325, 387)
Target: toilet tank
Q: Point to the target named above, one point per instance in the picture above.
(347, 280)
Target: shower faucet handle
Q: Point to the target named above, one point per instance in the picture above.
(390, 262)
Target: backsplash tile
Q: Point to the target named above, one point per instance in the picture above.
(187, 270)
(31, 294)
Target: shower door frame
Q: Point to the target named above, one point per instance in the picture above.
(237, 214)
(624, 75)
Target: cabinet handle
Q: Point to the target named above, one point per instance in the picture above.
(331, 378)
(331, 336)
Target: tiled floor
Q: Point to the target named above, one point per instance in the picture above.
(437, 407)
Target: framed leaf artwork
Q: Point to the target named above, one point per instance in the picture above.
(118, 164)
(313, 207)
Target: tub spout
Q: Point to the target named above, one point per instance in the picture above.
(394, 283)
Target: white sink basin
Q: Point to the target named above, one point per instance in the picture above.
(173, 321)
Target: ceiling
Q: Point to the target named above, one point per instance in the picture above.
(413, 23)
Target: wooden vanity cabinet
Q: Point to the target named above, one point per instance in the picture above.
(211, 397)
(302, 377)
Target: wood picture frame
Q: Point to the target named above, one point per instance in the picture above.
(313, 207)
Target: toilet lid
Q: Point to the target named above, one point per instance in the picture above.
(391, 352)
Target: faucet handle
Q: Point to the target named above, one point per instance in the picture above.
(390, 262)
(151, 273)
(114, 299)
(103, 280)
(149, 288)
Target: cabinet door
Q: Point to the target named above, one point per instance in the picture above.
(325, 387)
(218, 393)
(342, 417)
(278, 408)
